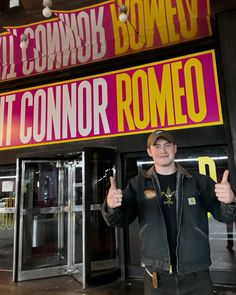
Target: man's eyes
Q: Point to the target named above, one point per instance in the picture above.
(166, 145)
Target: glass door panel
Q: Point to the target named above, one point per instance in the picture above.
(101, 251)
(41, 220)
(74, 195)
(7, 220)
(50, 219)
(60, 229)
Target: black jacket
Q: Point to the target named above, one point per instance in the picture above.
(194, 198)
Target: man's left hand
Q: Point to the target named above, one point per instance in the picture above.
(223, 190)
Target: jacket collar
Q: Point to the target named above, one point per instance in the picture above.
(180, 170)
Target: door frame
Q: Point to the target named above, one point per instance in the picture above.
(82, 272)
(70, 267)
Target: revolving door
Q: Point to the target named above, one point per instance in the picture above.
(60, 230)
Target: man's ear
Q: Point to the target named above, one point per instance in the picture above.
(149, 152)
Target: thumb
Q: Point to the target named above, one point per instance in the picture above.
(112, 182)
(225, 176)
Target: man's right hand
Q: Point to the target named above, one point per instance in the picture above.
(114, 197)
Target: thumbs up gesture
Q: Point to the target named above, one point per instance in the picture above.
(114, 197)
(223, 190)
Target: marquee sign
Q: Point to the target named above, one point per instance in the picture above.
(95, 33)
(171, 94)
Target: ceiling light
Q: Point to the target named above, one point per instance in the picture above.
(14, 3)
(47, 12)
(123, 13)
(23, 41)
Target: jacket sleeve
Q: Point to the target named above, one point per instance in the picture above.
(122, 216)
(220, 211)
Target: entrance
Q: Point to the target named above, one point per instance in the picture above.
(60, 229)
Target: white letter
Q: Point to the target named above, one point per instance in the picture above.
(84, 111)
(39, 115)
(98, 30)
(54, 113)
(83, 23)
(69, 111)
(9, 100)
(100, 109)
(41, 49)
(25, 138)
(2, 104)
(28, 64)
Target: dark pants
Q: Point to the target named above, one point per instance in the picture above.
(198, 283)
(230, 237)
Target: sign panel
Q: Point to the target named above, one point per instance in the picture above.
(172, 94)
(95, 33)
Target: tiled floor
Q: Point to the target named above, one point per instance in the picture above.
(68, 286)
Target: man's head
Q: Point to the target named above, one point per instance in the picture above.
(160, 134)
(162, 148)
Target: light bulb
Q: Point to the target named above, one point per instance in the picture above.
(47, 3)
(23, 41)
(47, 12)
(123, 8)
(23, 44)
(123, 17)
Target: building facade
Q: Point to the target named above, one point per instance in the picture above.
(80, 92)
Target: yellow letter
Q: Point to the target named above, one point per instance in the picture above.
(155, 15)
(140, 98)
(187, 29)
(202, 162)
(207, 161)
(137, 38)
(161, 99)
(170, 13)
(120, 32)
(124, 102)
(200, 97)
(178, 92)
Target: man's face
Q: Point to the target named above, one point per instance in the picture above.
(162, 153)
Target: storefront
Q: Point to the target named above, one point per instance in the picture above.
(92, 97)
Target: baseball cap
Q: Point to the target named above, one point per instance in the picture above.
(152, 138)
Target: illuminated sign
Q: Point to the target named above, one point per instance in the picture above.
(171, 94)
(95, 33)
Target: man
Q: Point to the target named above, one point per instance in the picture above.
(171, 205)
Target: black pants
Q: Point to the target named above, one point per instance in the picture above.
(198, 283)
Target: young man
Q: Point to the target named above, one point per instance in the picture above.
(171, 205)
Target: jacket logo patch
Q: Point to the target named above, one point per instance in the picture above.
(192, 201)
(149, 194)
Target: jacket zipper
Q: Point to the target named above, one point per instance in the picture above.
(177, 217)
(159, 188)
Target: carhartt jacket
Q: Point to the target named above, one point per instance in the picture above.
(195, 197)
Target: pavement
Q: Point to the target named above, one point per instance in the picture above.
(67, 285)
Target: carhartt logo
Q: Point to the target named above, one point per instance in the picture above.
(192, 201)
(149, 194)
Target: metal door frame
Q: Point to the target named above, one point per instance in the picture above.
(81, 271)
(69, 268)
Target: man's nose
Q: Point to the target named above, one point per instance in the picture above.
(163, 149)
